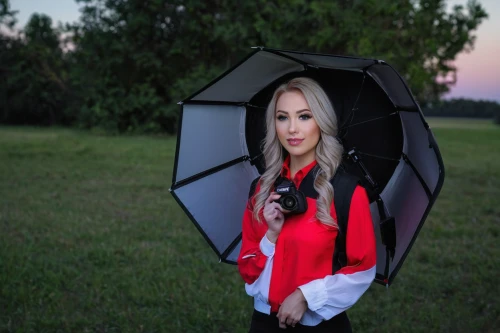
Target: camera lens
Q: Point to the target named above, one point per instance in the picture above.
(289, 202)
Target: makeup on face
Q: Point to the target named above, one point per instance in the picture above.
(296, 127)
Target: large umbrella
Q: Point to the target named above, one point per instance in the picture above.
(387, 144)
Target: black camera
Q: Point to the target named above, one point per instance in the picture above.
(291, 199)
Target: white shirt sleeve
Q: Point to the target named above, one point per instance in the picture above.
(336, 293)
(260, 288)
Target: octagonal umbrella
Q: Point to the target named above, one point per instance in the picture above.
(387, 143)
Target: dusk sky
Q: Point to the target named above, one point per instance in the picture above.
(478, 71)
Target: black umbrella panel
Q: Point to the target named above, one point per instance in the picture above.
(387, 144)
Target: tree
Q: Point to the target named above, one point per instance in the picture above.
(460, 107)
(35, 84)
(124, 64)
(419, 38)
(7, 16)
(131, 61)
(7, 53)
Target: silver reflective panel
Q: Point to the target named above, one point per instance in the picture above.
(249, 78)
(418, 150)
(211, 135)
(406, 201)
(233, 256)
(227, 191)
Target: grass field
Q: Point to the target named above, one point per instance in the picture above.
(92, 241)
(462, 123)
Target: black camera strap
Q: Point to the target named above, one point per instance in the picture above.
(344, 185)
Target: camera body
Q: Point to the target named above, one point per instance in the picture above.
(291, 199)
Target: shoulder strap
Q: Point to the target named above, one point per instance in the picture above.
(253, 186)
(344, 185)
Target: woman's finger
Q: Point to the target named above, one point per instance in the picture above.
(272, 197)
(281, 209)
(281, 320)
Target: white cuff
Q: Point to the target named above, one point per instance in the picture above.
(315, 294)
(266, 246)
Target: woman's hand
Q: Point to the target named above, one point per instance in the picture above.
(292, 309)
(273, 214)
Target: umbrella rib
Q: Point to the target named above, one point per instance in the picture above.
(255, 106)
(354, 108)
(412, 166)
(200, 229)
(230, 248)
(378, 156)
(208, 172)
(419, 176)
(206, 102)
(374, 119)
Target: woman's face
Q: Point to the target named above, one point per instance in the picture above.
(297, 130)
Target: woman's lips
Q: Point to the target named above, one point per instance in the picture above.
(294, 142)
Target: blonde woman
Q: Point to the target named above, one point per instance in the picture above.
(286, 256)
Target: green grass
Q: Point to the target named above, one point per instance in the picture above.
(92, 241)
(462, 123)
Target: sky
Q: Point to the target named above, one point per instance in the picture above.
(478, 71)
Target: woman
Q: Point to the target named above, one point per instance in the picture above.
(286, 259)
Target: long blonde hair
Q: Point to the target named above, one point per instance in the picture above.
(328, 150)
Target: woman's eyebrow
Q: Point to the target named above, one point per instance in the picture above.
(299, 111)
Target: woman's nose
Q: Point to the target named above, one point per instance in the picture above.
(293, 126)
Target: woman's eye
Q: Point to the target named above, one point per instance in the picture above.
(281, 118)
(305, 117)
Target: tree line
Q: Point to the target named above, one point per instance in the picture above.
(461, 107)
(124, 65)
